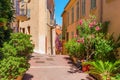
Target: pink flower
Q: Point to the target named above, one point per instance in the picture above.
(97, 28)
(94, 23)
(81, 22)
(91, 25)
(78, 41)
(75, 36)
(82, 40)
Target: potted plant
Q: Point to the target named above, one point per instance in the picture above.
(116, 77)
(103, 69)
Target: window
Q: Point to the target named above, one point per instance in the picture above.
(22, 1)
(77, 11)
(72, 15)
(28, 13)
(67, 36)
(93, 4)
(83, 7)
(22, 12)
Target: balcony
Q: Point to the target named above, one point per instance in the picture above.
(27, 1)
(24, 15)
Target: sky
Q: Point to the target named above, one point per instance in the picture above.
(59, 8)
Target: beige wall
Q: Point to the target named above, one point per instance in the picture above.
(39, 29)
(33, 23)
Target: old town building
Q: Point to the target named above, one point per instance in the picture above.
(104, 10)
(36, 17)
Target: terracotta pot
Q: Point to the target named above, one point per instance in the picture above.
(19, 77)
(1, 24)
(85, 68)
(108, 79)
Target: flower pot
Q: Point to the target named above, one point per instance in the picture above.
(19, 77)
(108, 78)
(1, 24)
(85, 68)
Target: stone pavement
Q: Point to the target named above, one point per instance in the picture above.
(58, 67)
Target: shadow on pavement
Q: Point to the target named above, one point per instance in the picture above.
(77, 68)
(73, 67)
(27, 77)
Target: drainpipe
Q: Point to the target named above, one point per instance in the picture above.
(51, 36)
(18, 26)
(51, 41)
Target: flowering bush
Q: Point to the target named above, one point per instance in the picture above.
(91, 43)
(88, 29)
(91, 37)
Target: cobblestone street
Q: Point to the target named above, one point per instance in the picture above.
(57, 67)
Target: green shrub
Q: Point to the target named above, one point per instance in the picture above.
(74, 48)
(4, 20)
(8, 50)
(15, 55)
(103, 48)
(92, 40)
(12, 67)
(22, 43)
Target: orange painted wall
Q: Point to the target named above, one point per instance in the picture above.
(71, 28)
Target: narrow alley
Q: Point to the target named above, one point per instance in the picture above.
(58, 67)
